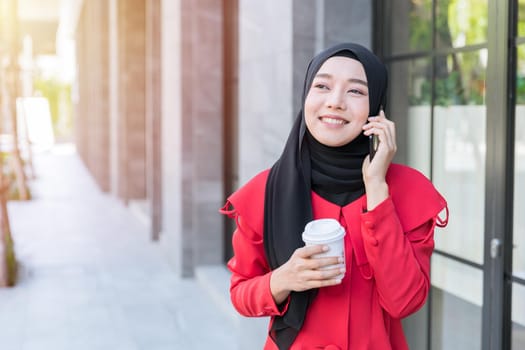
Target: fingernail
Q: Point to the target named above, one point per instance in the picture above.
(340, 260)
(325, 248)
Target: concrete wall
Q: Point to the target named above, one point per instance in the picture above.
(192, 120)
(265, 83)
(171, 82)
(204, 100)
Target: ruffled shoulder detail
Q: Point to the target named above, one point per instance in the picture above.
(415, 197)
(248, 202)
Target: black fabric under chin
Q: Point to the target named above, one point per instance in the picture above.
(336, 171)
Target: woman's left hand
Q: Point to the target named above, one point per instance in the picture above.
(374, 172)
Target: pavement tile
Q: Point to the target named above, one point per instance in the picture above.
(91, 278)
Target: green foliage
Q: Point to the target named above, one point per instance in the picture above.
(520, 90)
(521, 18)
(449, 91)
(459, 78)
(468, 18)
(420, 25)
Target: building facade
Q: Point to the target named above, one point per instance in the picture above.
(181, 102)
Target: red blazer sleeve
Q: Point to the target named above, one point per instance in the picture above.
(398, 237)
(400, 260)
(250, 281)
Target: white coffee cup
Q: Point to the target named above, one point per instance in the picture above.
(326, 232)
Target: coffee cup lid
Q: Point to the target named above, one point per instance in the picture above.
(323, 230)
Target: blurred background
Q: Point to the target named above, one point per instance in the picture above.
(124, 125)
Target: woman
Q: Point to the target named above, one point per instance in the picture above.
(389, 213)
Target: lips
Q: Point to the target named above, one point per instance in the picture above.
(333, 120)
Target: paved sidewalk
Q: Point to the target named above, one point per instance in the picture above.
(91, 279)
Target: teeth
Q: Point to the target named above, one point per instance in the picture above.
(333, 121)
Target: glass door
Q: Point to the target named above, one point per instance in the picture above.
(517, 275)
(452, 76)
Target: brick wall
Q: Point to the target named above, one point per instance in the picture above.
(96, 107)
(92, 117)
(131, 99)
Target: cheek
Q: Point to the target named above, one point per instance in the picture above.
(362, 111)
(310, 107)
(308, 118)
(308, 112)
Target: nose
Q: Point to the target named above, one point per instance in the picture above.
(336, 100)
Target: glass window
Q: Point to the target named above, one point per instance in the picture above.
(461, 22)
(518, 262)
(457, 297)
(518, 316)
(519, 170)
(460, 149)
(521, 18)
(411, 26)
(410, 106)
(460, 78)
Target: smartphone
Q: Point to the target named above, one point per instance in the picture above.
(373, 143)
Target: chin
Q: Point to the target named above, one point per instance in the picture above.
(330, 142)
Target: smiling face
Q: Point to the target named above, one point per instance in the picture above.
(336, 107)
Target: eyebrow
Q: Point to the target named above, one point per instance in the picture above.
(352, 80)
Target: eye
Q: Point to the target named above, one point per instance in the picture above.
(356, 91)
(321, 86)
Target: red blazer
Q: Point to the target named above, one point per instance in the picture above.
(387, 262)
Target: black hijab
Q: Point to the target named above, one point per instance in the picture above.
(288, 206)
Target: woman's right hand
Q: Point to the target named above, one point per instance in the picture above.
(302, 272)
